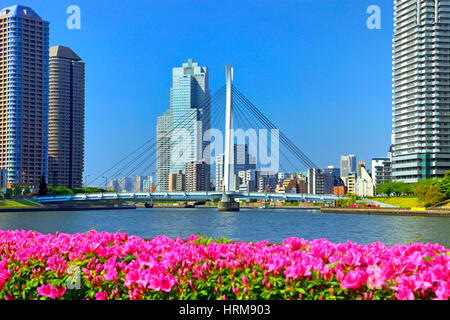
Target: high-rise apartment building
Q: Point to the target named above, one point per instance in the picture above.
(163, 152)
(189, 114)
(381, 171)
(315, 181)
(421, 90)
(197, 176)
(24, 77)
(66, 118)
(219, 164)
(138, 183)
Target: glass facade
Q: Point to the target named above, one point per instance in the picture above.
(189, 114)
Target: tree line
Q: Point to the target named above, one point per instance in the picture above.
(429, 191)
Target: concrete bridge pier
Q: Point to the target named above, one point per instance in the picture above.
(227, 203)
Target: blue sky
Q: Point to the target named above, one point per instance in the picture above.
(313, 66)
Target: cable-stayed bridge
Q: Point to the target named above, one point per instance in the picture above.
(226, 110)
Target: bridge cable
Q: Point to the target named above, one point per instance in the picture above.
(205, 102)
(252, 108)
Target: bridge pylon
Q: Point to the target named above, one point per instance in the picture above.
(227, 202)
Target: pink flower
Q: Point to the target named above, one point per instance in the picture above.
(353, 279)
(111, 275)
(442, 291)
(404, 293)
(244, 280)
(49, 291)
(235, 290)
(101, 295)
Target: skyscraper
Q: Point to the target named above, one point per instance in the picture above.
(348, 164)
(189, 114)
(163, 152)
(421, 78)
(66, 118)
(24, 75)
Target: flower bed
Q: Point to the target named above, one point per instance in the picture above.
(118, 266)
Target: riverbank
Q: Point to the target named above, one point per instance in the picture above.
(56, 208)
(389, 212)
(241, 207)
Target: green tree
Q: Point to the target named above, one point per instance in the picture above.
(9, 193)
(17, 192)
(43, 189)
(26, 190)
(385, 188)
(61, 190)
(433, 196)
(420, 191)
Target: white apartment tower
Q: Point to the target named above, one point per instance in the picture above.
(163, 152)
(421, 91)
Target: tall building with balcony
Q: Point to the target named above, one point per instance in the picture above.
(316, 181)
(24, 77)
(421, 90)
(218, 178)
(66, 118)
(381, 171)
(189, 114)
(197, 176)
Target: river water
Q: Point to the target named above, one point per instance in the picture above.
(273, 225)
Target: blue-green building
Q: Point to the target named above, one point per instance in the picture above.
(24, 94)
(189, 113)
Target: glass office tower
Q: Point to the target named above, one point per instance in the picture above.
(189, 114)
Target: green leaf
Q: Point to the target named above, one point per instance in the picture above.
(331, 266)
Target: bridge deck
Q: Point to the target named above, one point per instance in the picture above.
(186, 196)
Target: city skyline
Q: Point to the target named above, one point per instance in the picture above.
(143, 101)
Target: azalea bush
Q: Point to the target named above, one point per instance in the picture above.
(96, 265)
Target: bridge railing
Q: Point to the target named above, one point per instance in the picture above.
(186, 196)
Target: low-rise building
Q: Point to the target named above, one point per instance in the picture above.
(364, 183)
(351, 182)
(177, 181)
(340, 191)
